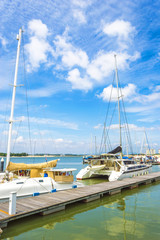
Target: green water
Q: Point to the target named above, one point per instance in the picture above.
(132, 214)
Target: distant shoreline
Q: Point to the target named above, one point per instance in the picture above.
(43, 156)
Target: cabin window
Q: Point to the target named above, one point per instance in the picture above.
(40, 180)
(19, 182)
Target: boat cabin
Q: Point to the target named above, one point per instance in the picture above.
(64, 175)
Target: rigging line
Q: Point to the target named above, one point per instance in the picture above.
(147, 142)
(111, 118)
(43, 148)
(107, 114)
(4, 120)
(16, 136)
(35, 180)
(125, 115)
(49, 130)
(25, 79)
(107, 140)
(127, 127)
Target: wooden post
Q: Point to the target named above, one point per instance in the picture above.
(12, 203)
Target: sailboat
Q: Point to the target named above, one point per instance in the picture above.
(109, 164)
(31, 179)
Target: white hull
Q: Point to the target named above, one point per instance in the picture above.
(119, 175)
(92, 171)
(25, 187)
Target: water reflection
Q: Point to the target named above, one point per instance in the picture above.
(121, 216)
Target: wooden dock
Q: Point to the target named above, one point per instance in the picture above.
(57, 201)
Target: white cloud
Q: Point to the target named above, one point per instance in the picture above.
(6, 132)
(99, 126)
(71, 55)
(38, 48)
(128, 92)
(37, 28)
(55, 122)
(79, 7)
(49, 90)
(130, 126)
(20, 139)
(78, 82)
(79, 15)
(59, 140)
(148, 98)
(3, 41)
(104, 64)
(119, 28)
(81, 3)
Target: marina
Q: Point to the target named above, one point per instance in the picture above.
(58, 201)
(79, 120)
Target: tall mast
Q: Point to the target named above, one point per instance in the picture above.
(120, 134)
(13, 98)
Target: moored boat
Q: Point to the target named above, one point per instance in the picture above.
(30, 179)
(128, 168)
(53, 180)
(118, 167)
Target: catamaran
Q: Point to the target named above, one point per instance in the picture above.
(31, 179)
(109, 164)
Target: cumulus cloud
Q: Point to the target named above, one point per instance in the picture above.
(78, 82)
(119, 28)
(71, 55)
(38, 48)
(83, 73)
(128, 92)
(104, 64)
(97, 70)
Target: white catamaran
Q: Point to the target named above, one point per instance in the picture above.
(110, 165)
(31, 179)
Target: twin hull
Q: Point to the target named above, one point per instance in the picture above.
(91, 172)
(96, 171)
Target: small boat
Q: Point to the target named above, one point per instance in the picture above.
(53, 180)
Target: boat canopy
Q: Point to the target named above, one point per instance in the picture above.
(116, 150)
(22, 166)
(61, 170)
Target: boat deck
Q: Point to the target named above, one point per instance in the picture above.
(57, 201)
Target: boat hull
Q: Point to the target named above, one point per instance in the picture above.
(92, 172)
(30, 186)
(129, 174)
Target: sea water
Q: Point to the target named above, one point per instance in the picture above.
(132, 214)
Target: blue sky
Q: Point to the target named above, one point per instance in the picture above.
(69, 48)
